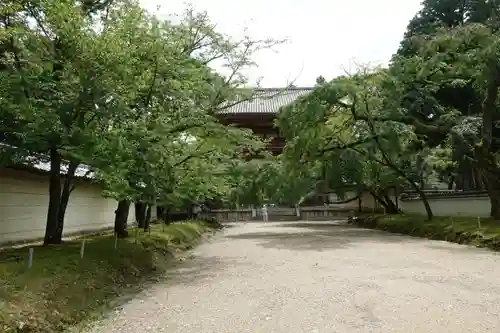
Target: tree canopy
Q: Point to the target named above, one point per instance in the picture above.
(109, 85)
(432, 114)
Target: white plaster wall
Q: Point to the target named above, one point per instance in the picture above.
(23, 207)
(367, 202)
(88, 210)
(467, 206)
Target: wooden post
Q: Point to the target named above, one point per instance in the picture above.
(82, 248)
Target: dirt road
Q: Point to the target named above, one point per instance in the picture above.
(318, 277)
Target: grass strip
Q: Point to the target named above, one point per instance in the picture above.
(481, 232)
(61, 289)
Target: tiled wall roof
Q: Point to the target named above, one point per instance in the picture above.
(267, 100)
(42, 163)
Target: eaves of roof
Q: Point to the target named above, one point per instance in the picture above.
(267, 100)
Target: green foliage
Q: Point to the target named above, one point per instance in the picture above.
(333, 131)
(107, 84)
(450, 14)
(431, 114)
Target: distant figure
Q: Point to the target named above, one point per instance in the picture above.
(265, 217)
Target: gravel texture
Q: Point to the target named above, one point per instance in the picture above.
(319, 277)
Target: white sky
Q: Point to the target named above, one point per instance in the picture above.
(325, 36)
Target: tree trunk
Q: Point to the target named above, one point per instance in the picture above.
(484, 152)
(147, 218)
(166, 215)
(384, 200)
(423, 197)
(54, 197)
(491, 180)
(378, 198)
(396, 197)
(121, 218)
(391, 206)
(420, 170)
(140, 214)
(66, 191)
(495, 205)
(450, 183)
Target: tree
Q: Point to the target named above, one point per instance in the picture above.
(437, 14)
(465, 56)
(69, 81)
(449, 14)
(106, 84)
(178, 72)
(336, 127)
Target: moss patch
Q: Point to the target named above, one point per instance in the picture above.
(462, 230)
(62, 289)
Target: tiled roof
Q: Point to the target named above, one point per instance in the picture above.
(41, 163)
(83, 170)
(267, 100)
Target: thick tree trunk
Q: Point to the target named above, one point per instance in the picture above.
(391, 206)
(66, 191)
(140, 214)
(166, 216)
(492, 182)
(495, 205)
(121, 218)
(54, 197)
(147, 218)
(484, 152)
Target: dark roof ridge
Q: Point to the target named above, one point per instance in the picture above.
(281, 88)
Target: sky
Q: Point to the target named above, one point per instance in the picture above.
(325, 37)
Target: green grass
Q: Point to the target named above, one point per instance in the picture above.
(61, 289)
(463, 230)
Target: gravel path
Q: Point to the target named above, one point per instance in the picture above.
(320, 277)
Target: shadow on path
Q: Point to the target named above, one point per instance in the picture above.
(318, 236)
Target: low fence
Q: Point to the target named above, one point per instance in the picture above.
(442, 204)
(229, 215)
(283, 214)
